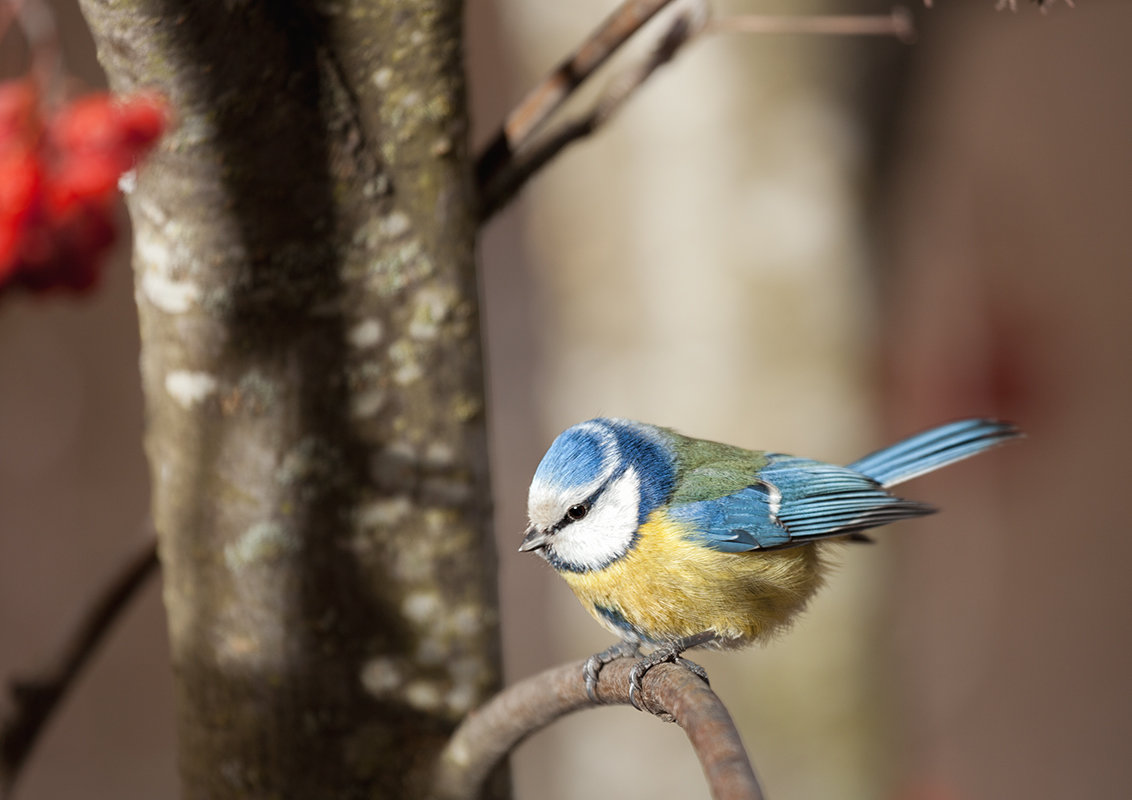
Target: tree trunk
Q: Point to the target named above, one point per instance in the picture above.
(312, 369)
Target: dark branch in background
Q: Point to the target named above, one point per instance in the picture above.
(36, 24)
(35, 699)
(515, 154)
(555, 88)
(897, 23)
(511, 174)
(490, 732)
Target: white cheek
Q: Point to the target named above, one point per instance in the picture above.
(606, 532)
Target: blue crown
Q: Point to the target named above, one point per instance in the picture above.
(587, 451)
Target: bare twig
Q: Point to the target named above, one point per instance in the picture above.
(504, 183)
(35, 22)
(514, 155)
(35, 699)
(898, 23)
(1044, 5)
(489, 733)
(542, 101)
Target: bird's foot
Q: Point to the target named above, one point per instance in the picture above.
(594, 664)
(694, 668)
(670, 654)
(665, 655)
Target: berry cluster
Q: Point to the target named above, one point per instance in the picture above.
(58, 178)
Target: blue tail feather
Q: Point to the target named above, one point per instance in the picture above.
(933, 449)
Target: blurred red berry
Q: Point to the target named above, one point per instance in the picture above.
(58, 180)
(21, 186)
(82, 180)
(100, 123)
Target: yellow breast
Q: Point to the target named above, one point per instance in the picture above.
(668, 587)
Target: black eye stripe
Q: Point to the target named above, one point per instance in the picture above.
(586, 504)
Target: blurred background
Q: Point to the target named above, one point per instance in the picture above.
(805, 244)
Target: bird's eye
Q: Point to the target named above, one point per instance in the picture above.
(575, 513)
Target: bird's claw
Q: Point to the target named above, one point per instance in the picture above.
(662, 656)
(635, 675)
(594, 664)
(694, 668)
(590, 672)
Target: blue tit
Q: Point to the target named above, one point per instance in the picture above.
(672, 542)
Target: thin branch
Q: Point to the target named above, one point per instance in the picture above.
(35, 699)
(515, 155)
(898, 23)
(542, 101)
(498, 188)
(35, 22)
(489, 733)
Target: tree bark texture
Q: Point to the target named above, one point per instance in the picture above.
(311, 362)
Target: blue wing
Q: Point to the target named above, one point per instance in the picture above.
(793, 501)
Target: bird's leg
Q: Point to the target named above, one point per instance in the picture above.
(667, 653)
(598, 660)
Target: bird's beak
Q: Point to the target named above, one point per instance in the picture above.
(534, 539)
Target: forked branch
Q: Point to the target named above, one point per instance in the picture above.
(509, 163)
(35, 699)
(542, 101)
(488, 734)
(521, 148)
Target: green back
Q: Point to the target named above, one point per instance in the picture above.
(709, 470)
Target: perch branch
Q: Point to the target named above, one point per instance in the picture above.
(515, 154)
(35, 699)
(492, 731)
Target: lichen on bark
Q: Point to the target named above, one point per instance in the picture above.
(313, 377)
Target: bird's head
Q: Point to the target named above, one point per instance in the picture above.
(594, 487)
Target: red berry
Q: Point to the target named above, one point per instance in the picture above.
(119, 129)
(88, 123)
(82, 179)
(21, 184)
(56, 192)
(144, 119)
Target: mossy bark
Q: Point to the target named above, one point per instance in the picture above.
(311, 360)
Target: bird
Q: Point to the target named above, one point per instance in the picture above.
(673, 543)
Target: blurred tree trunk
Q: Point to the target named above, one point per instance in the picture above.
(313, 378)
